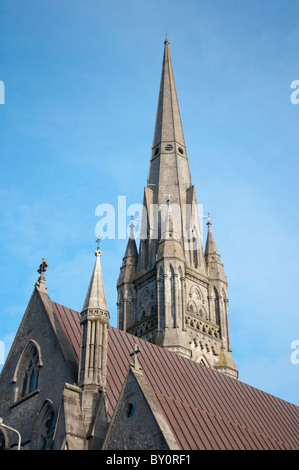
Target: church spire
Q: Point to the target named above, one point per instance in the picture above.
(174, 296)
(169, 179)
(168, 126)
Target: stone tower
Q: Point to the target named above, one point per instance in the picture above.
(94, 332)
(171, 292)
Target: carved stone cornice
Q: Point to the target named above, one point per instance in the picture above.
(95, 314)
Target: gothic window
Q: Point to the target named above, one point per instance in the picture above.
(44, 428)
(47, 429)
(217, 307)
(173, 293)
(27, 372)
(195, 258)
(130, 309)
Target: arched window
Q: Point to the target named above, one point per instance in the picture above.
(172, 297)
(30, 381)
(27, 371)
(44, 427)
(47, 429)
(217, 306)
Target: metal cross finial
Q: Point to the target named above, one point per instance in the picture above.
(209, 223)
(98, 251)
(134, 354)
(98, 242)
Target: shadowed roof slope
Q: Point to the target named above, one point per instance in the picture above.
(204, 408)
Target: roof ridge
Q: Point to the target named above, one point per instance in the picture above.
(225, 420)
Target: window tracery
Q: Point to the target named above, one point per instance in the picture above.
(27, 372)
(43, 433)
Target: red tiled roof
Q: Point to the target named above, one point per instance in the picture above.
(204, 408)
(70, 322)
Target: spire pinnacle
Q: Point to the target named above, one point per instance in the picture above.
(95, 297)
(210, 243)
(94, 325)
(168, 128)
(212, 255)
(131, 250)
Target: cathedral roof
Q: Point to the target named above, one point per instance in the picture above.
(205, 409)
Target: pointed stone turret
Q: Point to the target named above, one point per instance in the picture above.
(94, 331)
(168, 126)
(95, 297)
(213, 259)
(125, 285)
(131, 253)
(86, 401)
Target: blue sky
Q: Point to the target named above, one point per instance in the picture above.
(81, 88)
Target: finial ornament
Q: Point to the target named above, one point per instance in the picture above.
(98, 251)
(132, 226)
(209, 223)
(41, 270)
(166, 40)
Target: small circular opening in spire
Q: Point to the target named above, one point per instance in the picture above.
(168, 147)
(157, 151)
(181, 150)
